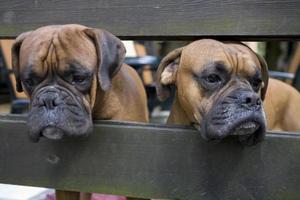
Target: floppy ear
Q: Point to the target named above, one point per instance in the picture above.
(111, 54)
(265, 75)
(15, 52)
(264, 71)
(166, 73)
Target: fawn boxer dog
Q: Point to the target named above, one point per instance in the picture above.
(219, 89)
(282, 106)
(73, 74)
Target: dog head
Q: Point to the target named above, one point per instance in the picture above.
(219, 86)
(61, 68)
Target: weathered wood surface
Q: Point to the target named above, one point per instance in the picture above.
(152, 161)
(171, 19)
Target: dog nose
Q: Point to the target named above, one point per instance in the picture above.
(250, 100)
(49, 101)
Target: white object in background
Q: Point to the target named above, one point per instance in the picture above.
(252, 45)
(130, 50)
(17, 192)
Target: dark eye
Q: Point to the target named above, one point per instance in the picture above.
(78, 78)
(213, 78)
(256, 84)
(29, 82)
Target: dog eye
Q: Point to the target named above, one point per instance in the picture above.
(256, 84)
(213, 78)
(78, 78)
(29, 82)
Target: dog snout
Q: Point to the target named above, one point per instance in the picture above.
(49, 100)
(250, 100)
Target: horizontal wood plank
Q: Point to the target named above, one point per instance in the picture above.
(152, 161)
(168, 19)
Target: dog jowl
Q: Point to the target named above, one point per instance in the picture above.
(219, 89)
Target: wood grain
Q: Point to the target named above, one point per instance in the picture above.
(152, 161)
(169, 19)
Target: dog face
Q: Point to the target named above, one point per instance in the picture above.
(219, 86)
(61, 69)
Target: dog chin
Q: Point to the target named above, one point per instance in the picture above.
(52, 132)
(57, 133)
(250, 130)
(57, 125)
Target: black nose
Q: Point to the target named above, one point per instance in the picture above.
(50, 101)
(250, 100)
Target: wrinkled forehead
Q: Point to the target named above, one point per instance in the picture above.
(234, 58)
(57, 47)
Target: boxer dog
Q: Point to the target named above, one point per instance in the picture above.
(73, 74)
(282, 106)
(219, 89)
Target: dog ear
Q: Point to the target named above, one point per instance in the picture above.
(166, 73)
(265, 75)
(264, 71)
(15, 52)
(111, 54)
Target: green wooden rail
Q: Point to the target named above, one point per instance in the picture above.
(154, 161)
(156, 19)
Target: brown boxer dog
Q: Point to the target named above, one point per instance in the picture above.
(219, 89)
(282, 106)
(73, 74)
